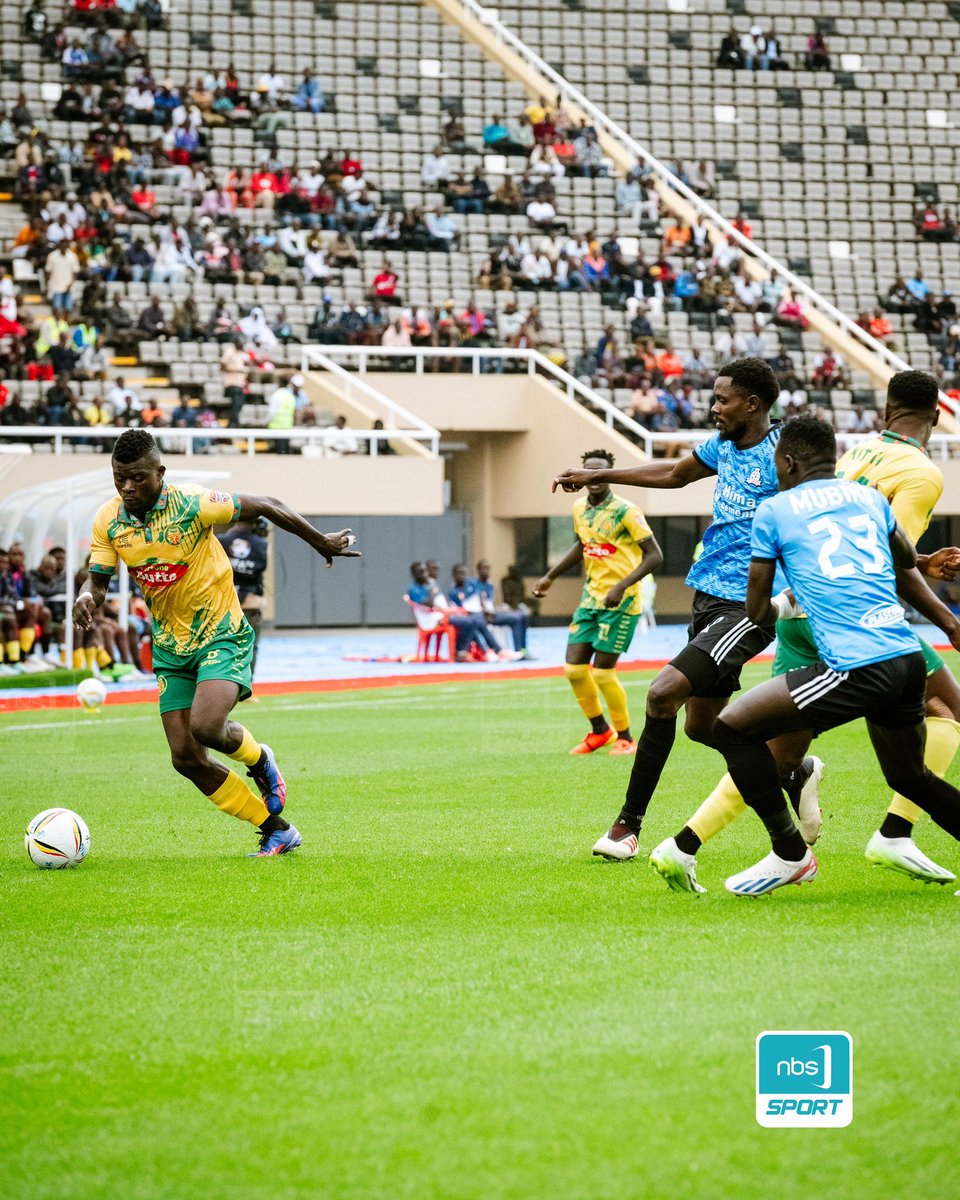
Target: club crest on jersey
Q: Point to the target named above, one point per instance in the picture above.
(159, 575)
(754, 479)
(599, 550)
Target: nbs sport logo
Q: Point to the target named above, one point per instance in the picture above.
(804, 1079)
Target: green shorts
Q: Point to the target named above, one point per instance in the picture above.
(607, 629)
(796, 648)
(225, 657)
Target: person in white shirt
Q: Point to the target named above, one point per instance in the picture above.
(292, 240)
(60, 231)
(541, 212)
(510, 323)
(396, 335)
(120, 396)
(273, 84)
(860, 420)
(748, 292)
(340, 441)
(311, 180)
(536, 269)
(315, 265)
(544, 161)
(436, 168)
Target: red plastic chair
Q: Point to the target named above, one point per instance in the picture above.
(432, 626)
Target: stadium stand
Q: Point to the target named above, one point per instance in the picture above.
(828, 169)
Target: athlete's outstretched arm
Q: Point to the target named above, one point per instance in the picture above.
(570, 559)
(330, 545)
(912, 589)
(941, 564)
(669, 473)
(759, 591)
(93, 593)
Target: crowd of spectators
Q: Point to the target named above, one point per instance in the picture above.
(934, 315)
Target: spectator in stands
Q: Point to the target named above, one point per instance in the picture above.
(152, 324)
(828, 370)
(730, 53)
(342, 252)
(817, 57)
(62, 267)
(898, 298)
(507, 198)
(309, 94)
(435, 169)
(63, 357)
(859, 420)
(753, 47)
(918, 288)
(234, 370)
(121, 398)
(454, 135)
(928, 319)
(702, 179)
(496, 137)
(384, 284)
(790, 314)
(340, 442)
(186, 324)
(396, 334)
(669, 364)
(541, 212)
(589, 154)
(544, 162)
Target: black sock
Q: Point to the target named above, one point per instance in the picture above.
(598, 725)
(784, 835)
(794, 780)
(687, 841)
(896, 827)
(272, 824)
(653, 750)
(624, 734)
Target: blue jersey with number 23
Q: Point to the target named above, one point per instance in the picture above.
(832, 537)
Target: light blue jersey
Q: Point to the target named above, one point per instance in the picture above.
(744, 479)
(832, 538)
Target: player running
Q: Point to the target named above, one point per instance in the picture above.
(618, 549)
(706, 672)
(844, 557)
(202, 643)
(895, 462)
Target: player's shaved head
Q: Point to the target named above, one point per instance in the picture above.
(134, 444)
(915, 392)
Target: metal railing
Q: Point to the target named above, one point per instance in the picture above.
(318, 438)
(495, 358)
(489, 18)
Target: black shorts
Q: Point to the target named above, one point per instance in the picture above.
(720, 640)
(889, 693)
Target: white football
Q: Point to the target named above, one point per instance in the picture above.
(57, 837)
(91, 692)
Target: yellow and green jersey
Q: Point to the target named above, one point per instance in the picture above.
(611, 534)
(899, 468)
(179, 566)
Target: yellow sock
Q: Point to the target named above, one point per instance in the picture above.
(248, 752)
(103, 658)
(943, 740)
(723, 805)
(91, 656)
(78, 660)
(612, 691)
(27, 637)
(12, 651)
(235, 798)
(584, 688)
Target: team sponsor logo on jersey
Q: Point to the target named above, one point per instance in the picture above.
(881, 616)
(599, 550)
(159, 575)
(754, 479)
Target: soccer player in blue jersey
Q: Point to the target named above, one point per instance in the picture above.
(706, 672)
(844, 558)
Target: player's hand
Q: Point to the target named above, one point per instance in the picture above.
(942, 564)
(572, 480)
(542, 586)
(83, 610)
(337, 545)
(614, 597)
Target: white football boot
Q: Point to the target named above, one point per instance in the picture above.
(771, 873)
(903, 855)
(677, 869)
(618, 844)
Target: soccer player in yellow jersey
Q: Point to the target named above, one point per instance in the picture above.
(202, 644)
(895, 462)
(617, 549)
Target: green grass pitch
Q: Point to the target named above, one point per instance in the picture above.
(443, 995)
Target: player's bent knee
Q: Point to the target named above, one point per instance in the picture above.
(701, 731)
(665, 697)
(187, 764)
(209, 732)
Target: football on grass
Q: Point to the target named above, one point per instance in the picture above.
(57, 837)
(91, 693)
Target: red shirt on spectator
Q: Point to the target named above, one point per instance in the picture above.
(264, 181)
(670, 366)
(351, 166)
(741, 225)
(385, 284)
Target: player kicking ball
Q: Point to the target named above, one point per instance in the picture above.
(202, 644)
(844, 558)
(618, 549)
